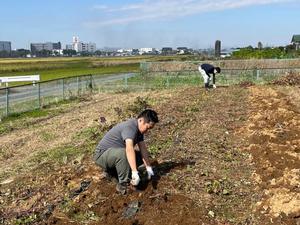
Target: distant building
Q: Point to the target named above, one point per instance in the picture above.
(50, 46)
(225, 54)
(135, 51)
(259, 45)
(146, 50)
(76, 44)
(5, 46)
(83, 47)
(88, 47)
(182, 50)
(296, 41)
(166, 51)
(69, 47)
(218, 48)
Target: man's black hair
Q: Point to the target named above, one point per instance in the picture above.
(218, 69)
(149, 115)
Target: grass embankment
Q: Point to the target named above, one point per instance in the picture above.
(53, 68)
(24, 119)
(61, 67)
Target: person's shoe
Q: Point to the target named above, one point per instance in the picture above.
(122, 188)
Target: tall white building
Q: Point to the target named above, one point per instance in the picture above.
(83, 47)
(76, 44)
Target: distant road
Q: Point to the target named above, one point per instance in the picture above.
(29, 93)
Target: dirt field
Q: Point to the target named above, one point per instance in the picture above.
(227, 156)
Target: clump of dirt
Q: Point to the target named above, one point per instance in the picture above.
(291, 79)
(246, 84)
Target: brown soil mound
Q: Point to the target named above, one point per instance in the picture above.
(246, 84)
(291, 79)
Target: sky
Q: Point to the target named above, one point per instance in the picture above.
(150, 23)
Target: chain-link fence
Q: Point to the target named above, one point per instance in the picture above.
(34, 96)
(29, 97)
(226, 77)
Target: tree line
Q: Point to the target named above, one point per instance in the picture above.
(266, 53)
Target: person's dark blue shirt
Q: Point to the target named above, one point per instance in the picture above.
(209, 69)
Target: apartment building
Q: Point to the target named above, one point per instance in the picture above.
(5, 46)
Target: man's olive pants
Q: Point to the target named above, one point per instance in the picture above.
(115, 159)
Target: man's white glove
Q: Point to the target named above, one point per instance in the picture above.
(149, 172)
(135, 178)
(214, 86)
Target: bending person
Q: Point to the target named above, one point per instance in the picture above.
(208, 73)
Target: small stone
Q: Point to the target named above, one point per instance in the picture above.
(8, 181)
(211, 214)
(131, 209)
(225, 192)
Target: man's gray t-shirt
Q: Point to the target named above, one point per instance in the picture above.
(115, 138)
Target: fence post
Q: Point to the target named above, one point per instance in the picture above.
(63, 88)
(257, 74)
(168, 84)
(126, 81)
(77, 86)
(7, 102)
(39, 95)
(91, 83)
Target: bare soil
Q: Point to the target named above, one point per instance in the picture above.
(226, 156)
(291, 78)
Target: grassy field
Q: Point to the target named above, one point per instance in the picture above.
(64, 67)
(53, 68)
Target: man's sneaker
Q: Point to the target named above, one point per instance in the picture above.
(124, 188)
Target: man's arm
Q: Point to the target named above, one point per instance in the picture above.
(145, 155)
(144, 152)
(130, 154)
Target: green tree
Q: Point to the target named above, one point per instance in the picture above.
(69, 52)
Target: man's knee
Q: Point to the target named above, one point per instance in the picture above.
(101, 161)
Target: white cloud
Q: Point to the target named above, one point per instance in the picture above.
(169, 9)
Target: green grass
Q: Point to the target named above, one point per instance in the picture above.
(58, 155)
(59, 67)
(56, 73)
(31, 114)
(166, 80)
(157, 147)
(24, 119)
(25, 220)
